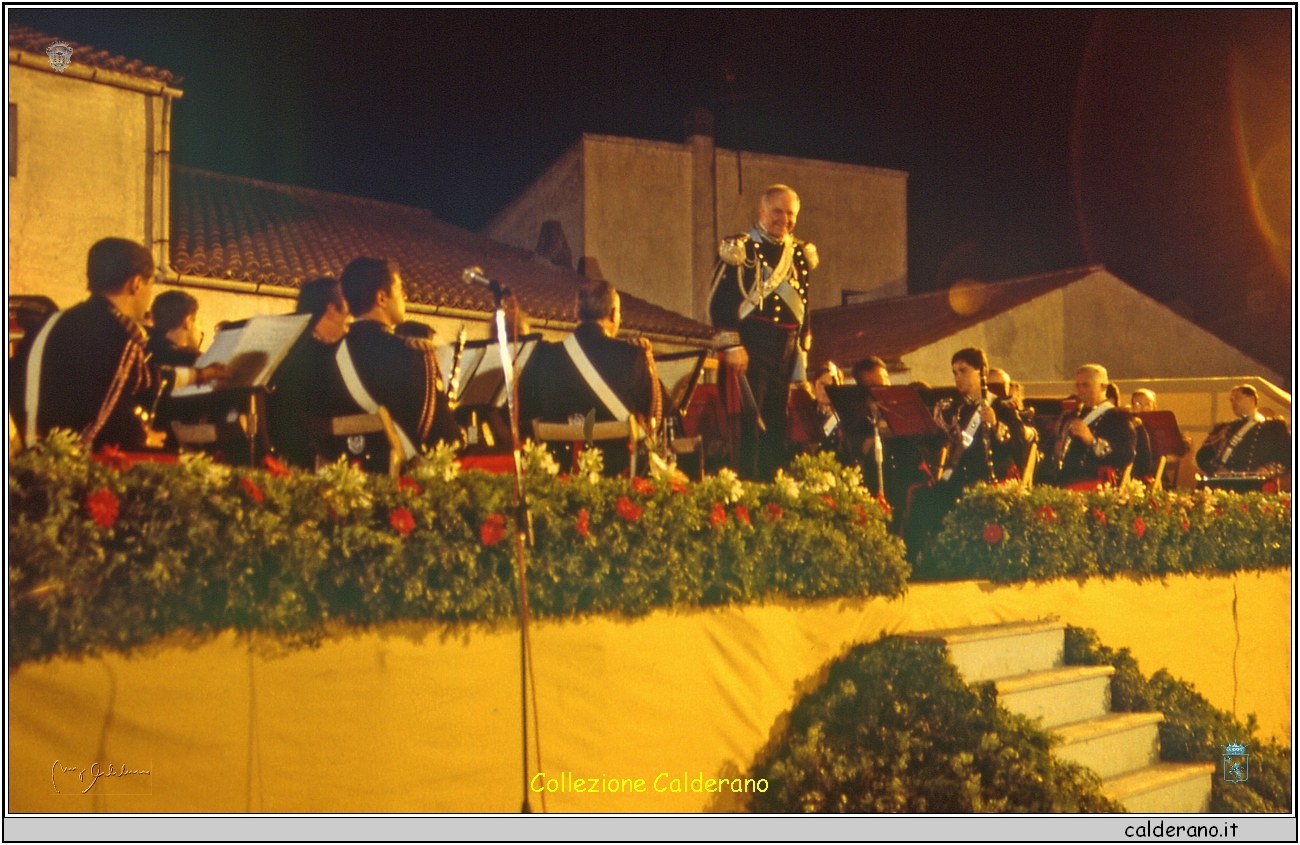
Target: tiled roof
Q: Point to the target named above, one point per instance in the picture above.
(28, 40)
(890, 328)
(229, 227)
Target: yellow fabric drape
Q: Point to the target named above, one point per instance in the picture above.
(425, 717)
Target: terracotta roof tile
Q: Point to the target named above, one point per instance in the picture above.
(29, 40)
(890, 328)
(230, 227)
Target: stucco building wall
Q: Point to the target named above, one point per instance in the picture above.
(652, 234)
(1097, 319)
(90, 165)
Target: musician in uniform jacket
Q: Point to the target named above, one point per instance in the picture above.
(89, 366)
(1250, 443)
(759, 306)
(592, 369)
(1096, 441)
(986, 439)
(374, 367)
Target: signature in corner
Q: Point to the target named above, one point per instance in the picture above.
(94, 770)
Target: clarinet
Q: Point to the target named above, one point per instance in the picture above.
(453, 382)
(988, 434)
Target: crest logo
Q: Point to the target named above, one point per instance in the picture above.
(60, 55)
(1236, 763)
(357, 444)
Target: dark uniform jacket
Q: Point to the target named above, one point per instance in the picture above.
(552, 389)
(733, 282)
(296, 396)
(399, 373)
(1266, 446)
(1114, 447)
(1006, 441)
(95, 374)
(164, 353)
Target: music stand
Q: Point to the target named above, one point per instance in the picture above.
(478, 392)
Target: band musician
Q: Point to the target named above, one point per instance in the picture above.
(1250, 443)
(1096, 441)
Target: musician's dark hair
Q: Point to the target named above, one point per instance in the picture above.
(972, 355)
(596, 300)
(866, 365)
(1247, 390)
(112, 262)
(316, 296)
(414, 329)
(170, 308)
(363, 279)
(823, 369)
(1112, 393)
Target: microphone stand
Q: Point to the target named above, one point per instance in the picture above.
(523, 526)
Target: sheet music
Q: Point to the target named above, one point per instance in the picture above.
(252, 351)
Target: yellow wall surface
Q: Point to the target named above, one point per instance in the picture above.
(425, 717)
(84, 154)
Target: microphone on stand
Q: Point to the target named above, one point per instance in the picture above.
(474, 276)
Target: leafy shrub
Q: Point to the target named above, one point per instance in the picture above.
(1193, 731)
(894, 729)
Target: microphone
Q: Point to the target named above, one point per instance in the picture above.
(474, 276)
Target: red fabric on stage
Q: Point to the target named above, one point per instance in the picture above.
(495, 464)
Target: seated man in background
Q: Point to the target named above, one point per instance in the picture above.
(592, 370)
(294, 391)
(1142, 400)
(1250, 443)
(373, 367)
(1096, 441)
(175, 339)
(88, 368)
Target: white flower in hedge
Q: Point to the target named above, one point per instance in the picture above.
(437, 462)
(731, 486)
(205, 468)
(786, 486)
(347, 487)
(853, 476)
(537, 459)
(819, 481)
(591, 463)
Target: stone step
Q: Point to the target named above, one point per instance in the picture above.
(1164, 788)
(1113, 744)
(1058, 696)
(998, 651)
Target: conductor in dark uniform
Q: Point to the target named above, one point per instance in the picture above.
(1096, 441)
(592, 369)
(759, 306)
(374, 367)
(1250, 443)
(985, 440)
(89, 366)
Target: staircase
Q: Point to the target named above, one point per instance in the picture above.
(1025, 660)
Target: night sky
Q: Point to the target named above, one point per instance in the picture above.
(1155, 142)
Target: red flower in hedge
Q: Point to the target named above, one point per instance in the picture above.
(992, 533)
(250, 487)
(1265, 509)
(1218, 511)
(863, 519)
(678, 486)
(1185, 525)
(628, 509)
(773, 511)
(1046, 514)
(1245, 508)
(102, 506)
(742, 514)
(889, 511)
(409, 485)
(582, 523)
(1099, 515)
(642, 486)
(113, 457)
(1139, 527)
(828, 500)
(494, 528)
(401, 519)
(719, 515)
(277, 469)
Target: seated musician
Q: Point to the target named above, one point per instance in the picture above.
(1096, 441)
(1144, 457)
(1250, 443)
(175, 340)
(88, 365)
(592, 369)
(295, 387)
(985, 439)
(373, 367)
(896, 461)
(814, 425)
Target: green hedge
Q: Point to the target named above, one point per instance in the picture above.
(1007, 533)
(103, 552)
(894, 729)
(1193, 731)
